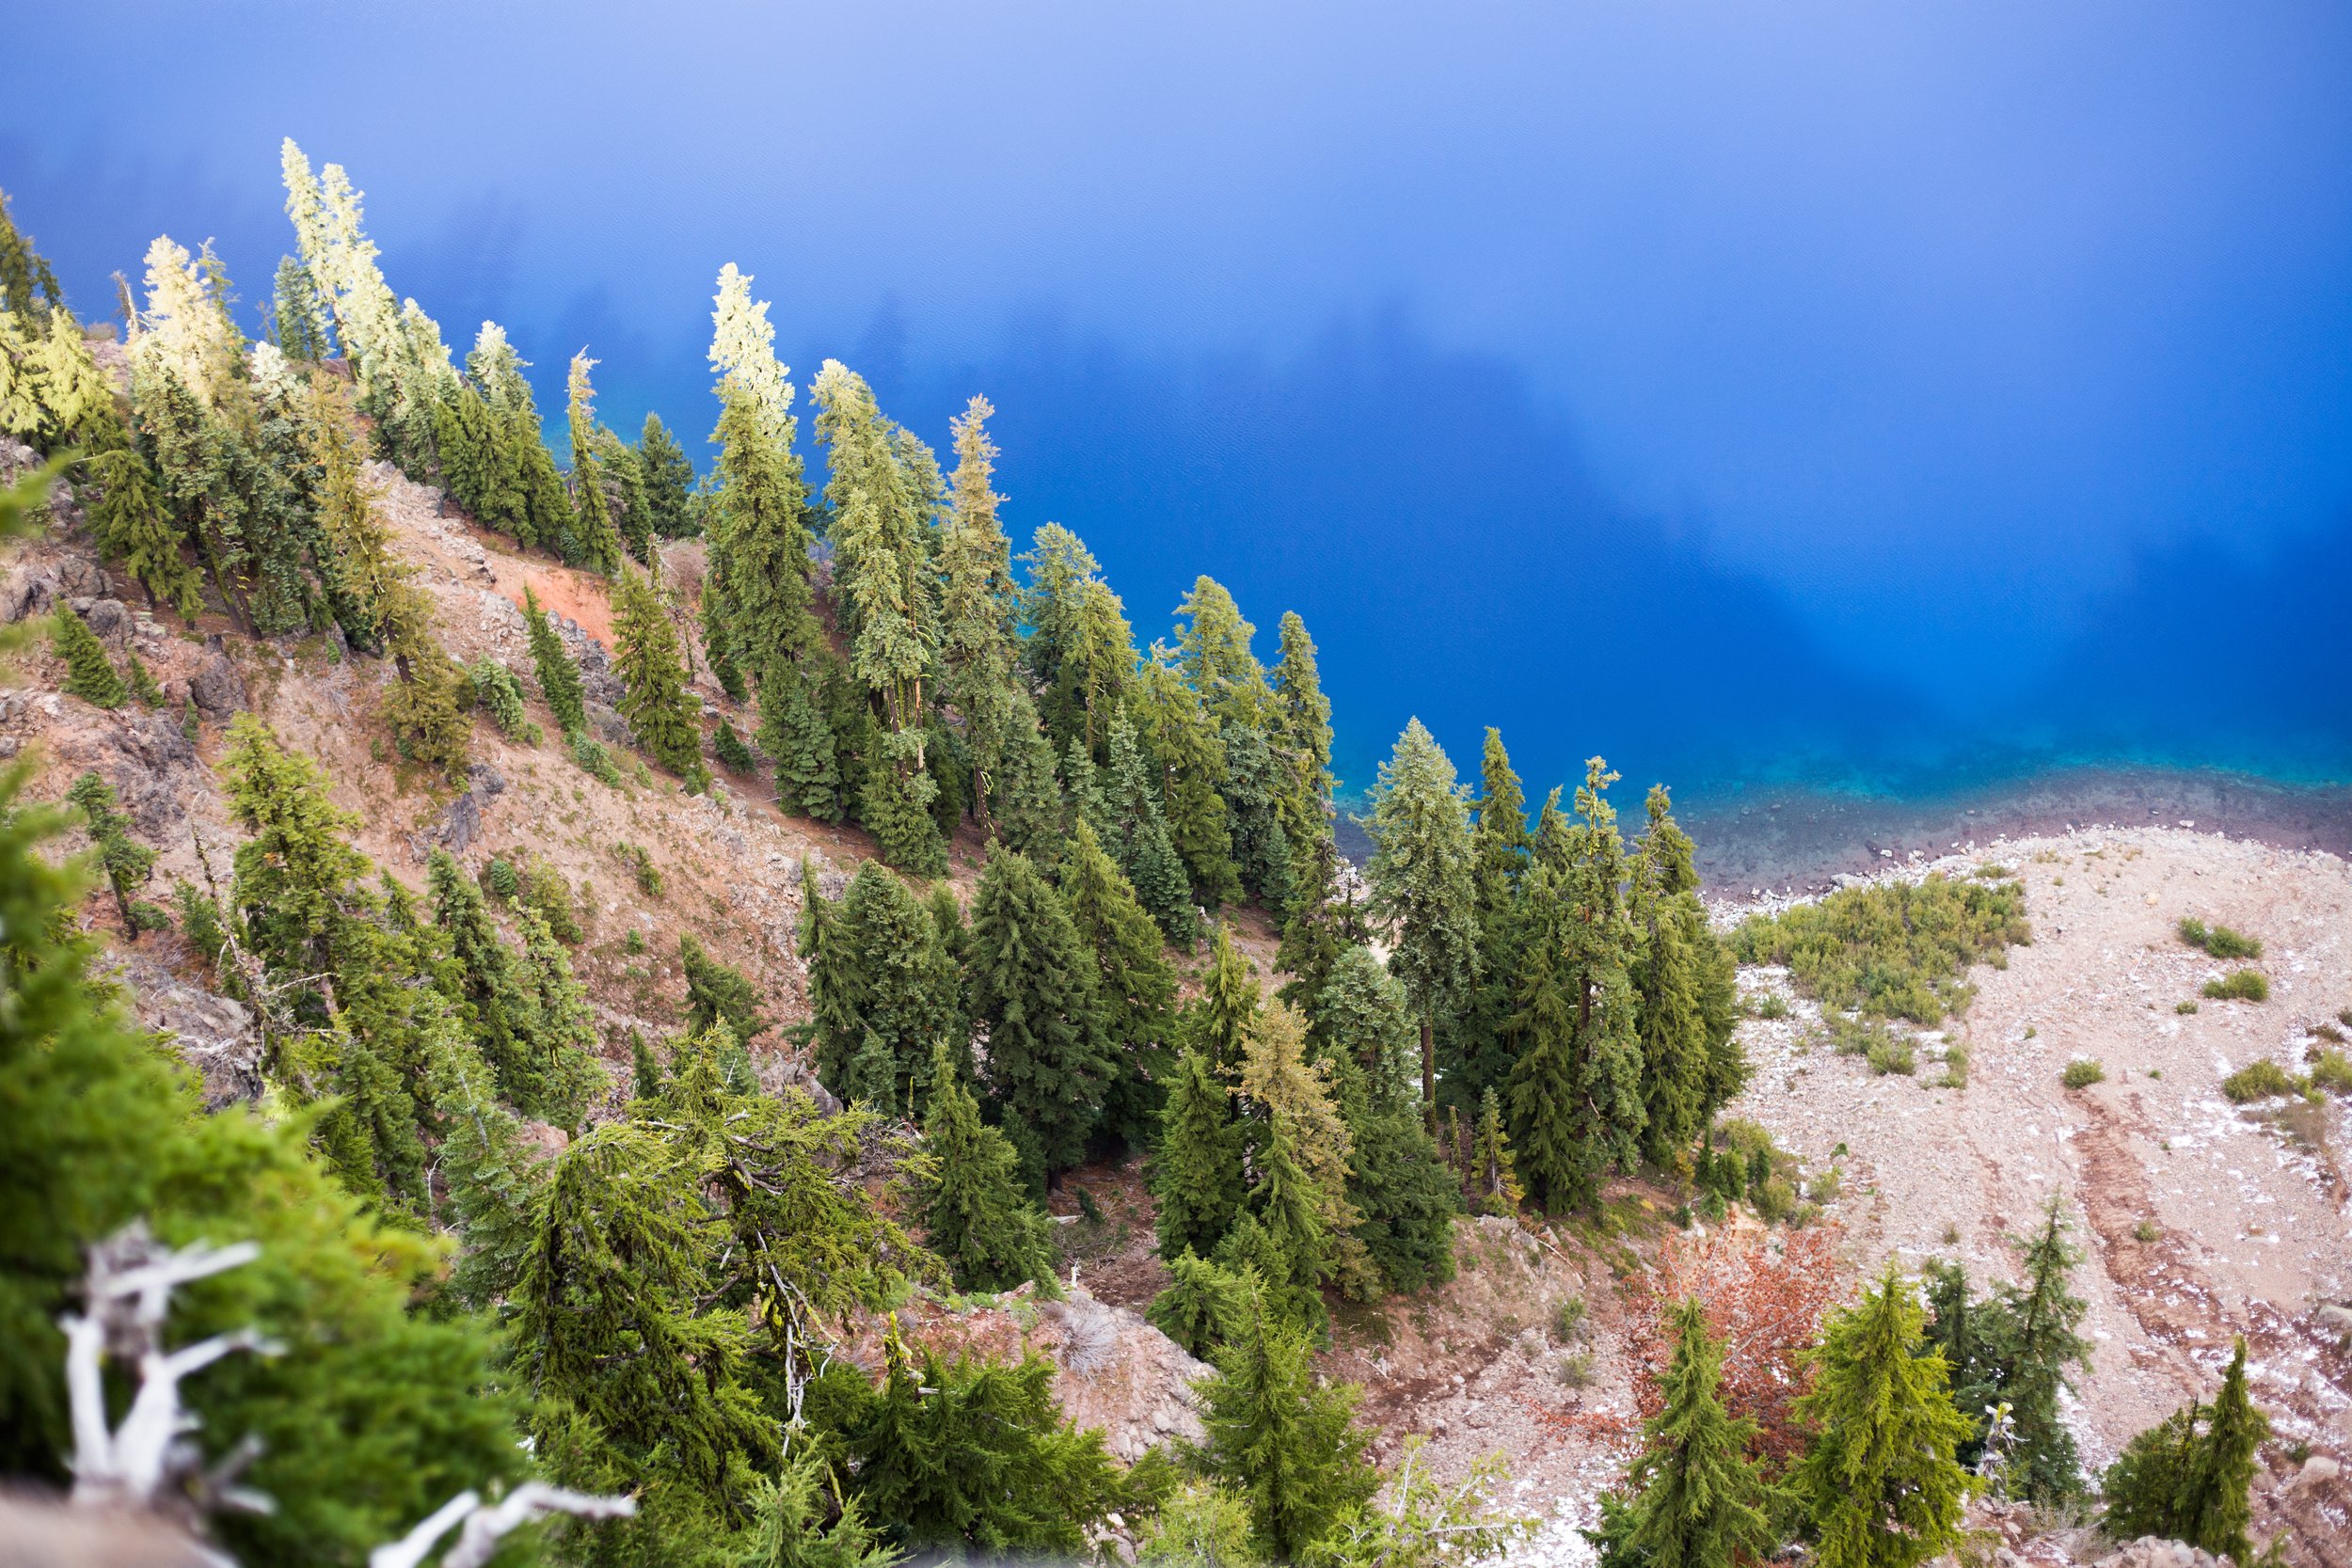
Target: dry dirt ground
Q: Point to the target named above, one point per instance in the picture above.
(2203, 1220)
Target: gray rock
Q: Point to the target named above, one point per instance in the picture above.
(216, 688)
(485, 779)
(28, 591)
(461, 824)
(111, 620)
(607, 721)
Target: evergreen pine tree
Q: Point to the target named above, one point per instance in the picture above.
(717, 992)
(669, 480)
(757, 598)
(1574, 1099)
(1230, 1002)
(1254, 782)
(1140, 842)
(298, 318)
(559, 677)
(1880, 1485)
(1185, 753)
(1025, 802)
(1301, 1193)
(1197, 1171)
(2213, 1508)
(1961, 1328)
(1289, 1447)
(2042, 1340)
(1698, 1501)
(89, 674)
(1423, 890)
(729, 749)
(1202, 1307)
(793, 730)
(978, 603)
(876, 961)
(595, 541)
(1325, 920)
(496, 1006)
(1497, 1184)
(978, 1217)
(1688, 1057)
(1032, 988)
(1214, 645)
(1135, 982)
(1359, 1015)
(2144, 1487)
(491, 1177)
(1080, 648)
(128, 521)
(895, 807)
(1499, 847)
(127, 864)
(1302, 735)
(654, 699)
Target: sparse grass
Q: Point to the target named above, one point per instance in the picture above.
(2147, 1230)
(1955, 1067)
(1992, 871)
(2242, 985)
(1770, 1005)
(1893, 1056)
(2219, 941)
(1895, 950)
(1568, 1318)
(2262, 1078)
(1825, 1187)
(2184, 1006)
(2082, 1072)
(2329, 1033)
(1575, 1369)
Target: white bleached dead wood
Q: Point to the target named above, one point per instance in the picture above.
(485, 1526)
(128, 1296)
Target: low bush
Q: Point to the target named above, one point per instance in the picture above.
(2332, 1070)
(2219, 941)
(1825, 1187)
(1771, 1004)
(2184, 1006)
(1774, 1199)
(1575, 1369)
(1892, 950)
(1568, 1318)
(2242, 985)
(2147, 1230)
(544, 889)
(1955, 1067)
(2260, 1080)
(1893, 1056)
(594, 758)
(2082, 1072)
(2329, 1033)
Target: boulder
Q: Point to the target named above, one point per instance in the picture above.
(607, 721)
(460, 825)
(2152, 1551)
(216, 688)
(110, 619)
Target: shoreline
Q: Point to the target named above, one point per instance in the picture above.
(1793, 840)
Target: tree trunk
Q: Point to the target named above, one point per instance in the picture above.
(1429, 1074)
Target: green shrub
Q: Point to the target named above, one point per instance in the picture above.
(732, 754)
(498, 880)
(544, 889)
(2082, 1072)
(1774, 1199)
(594, 758)
(1568, 1318)
(88, 674)
(2243, 984)
(2260, 1080)
(498, 692)
(634, 943)
(1893, 1056)
(1955, 1067)
(2147, 1230)
(2219, 941)
(1895, 950)
(2184, 1006)
(641, 868)
(1771, 1004)
(1576, 1371)
(1826, 1187)
(2332, 1070)
(2329, 1033)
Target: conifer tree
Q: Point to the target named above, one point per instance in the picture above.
(1499, 847)
(595, 542)
(1698, 1499)
(655, 699)
(1423, 890)
(756, 596)
(977, 1216)
(128, 521)
(559, 677)
(1134, 983)
(1498, 1184)
(885, 593)
(1140, 840)
(1185, 753)
(1213, 643)
(127, 864)
(669, 480)
(728, 747)
(2213, 1508)
(1690, 1062)
(298, 318)
(1404, 1192)
(1230, 1002)
(1359, 1015)
(717, 992)
(1025, 804)
(1292, 1449)
(1302, 734)
(894, 806)
(1202, 1307)
(1325, 920)
(794, 731)
(497, 1008)
(876, 961)
(1032, 988)
(1960, 1327)
(1574, 1097)
(978, 600)
(1880, 1485)
(1254, 782)
(1197, 1171)
(491, 1177)
(564, 1032)
(1080, 647)
(89, 674)
(1301, 1195)
(2044, 1320)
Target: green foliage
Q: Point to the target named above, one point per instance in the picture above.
(2240, 985)
(127, 864)
(2331, 1071)
(89, 674)
(544, 889)
(1197, 1171)
(877, 964)
(1423, 889)
(1032, 988)
(2219, 941)
(595, 759)
(1134, 984)
(1404, 1192)
(964, 1454)
(1204, 1305)
(1138, 839)
(1201, 1525)
(1692, 1063)
(794, 730)
(895, 807)
(98, 1129)
(716, 993)
(2260, 1079)
(655, 699)
(978, 1217)
(1696, 1499)
(558, 677)
(1288, 1446)
(1880, 1486)
(2082, 1072)
(732, 754)
(2176, 1482)
(1496, 1184)
(669, 480)
(1574, 1100)
(1892, 949)
(498, 692)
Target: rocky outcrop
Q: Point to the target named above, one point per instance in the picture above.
(216, 688)
(2151, 1551)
